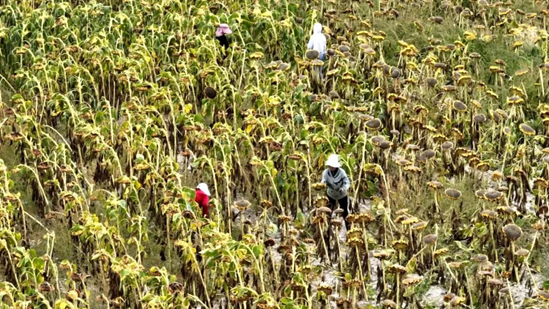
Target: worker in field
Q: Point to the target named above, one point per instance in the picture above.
(202, 198)
(220, 33)
(318, 42)
(337, 184)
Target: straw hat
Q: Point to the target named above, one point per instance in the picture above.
(333, 161)
(204, 188)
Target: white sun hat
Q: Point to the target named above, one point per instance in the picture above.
(333, 161)
(204, 188)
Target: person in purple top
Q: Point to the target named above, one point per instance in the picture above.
(220, 33)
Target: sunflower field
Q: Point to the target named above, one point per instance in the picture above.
(112, 111)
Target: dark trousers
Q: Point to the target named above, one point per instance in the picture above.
(224, 43)
(344, 204)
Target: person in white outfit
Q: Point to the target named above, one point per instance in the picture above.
(318, 41)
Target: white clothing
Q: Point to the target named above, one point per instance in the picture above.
(317, 40)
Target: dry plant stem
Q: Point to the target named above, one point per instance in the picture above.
(340, 260)
(238, 160)
(415, 256)
(271, 178)
(275, 272)
(383, 277)
(5, 245)
(309, 298)
(391, 223)
(229, 221)
(510, 295)
(513, 264)
(410, 237)
(324, 247)
(259, 263)
(493, 240)
(365, 239)
(39, 183)
(53, 265)
(528, 257)
(398, 289)
(308, 164)
(449, 270)
(227, 178)
(531, 277)
(293, 259)
(436, 203)
(363, 281)
(264, 219)
(242, 223)
(168, 243)
(198, 300)
(361, 166)
(86, 294)
(386, 190)
(542, 83)
(468, 288)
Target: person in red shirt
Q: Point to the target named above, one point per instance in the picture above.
(202, 194)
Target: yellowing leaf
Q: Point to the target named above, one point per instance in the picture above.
(286, 24)
(72, 294)
(470, 35)
(188, 108)
(180, 243)
(486, 37)
(63, 304)
(517, 44)
(249, 128)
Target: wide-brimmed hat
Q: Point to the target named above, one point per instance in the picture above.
(223, 29)
(333, 161)
(204, 188)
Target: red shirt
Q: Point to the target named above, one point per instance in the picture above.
(202, 200)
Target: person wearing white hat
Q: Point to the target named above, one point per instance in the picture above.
(337, 184)
(202, 194)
